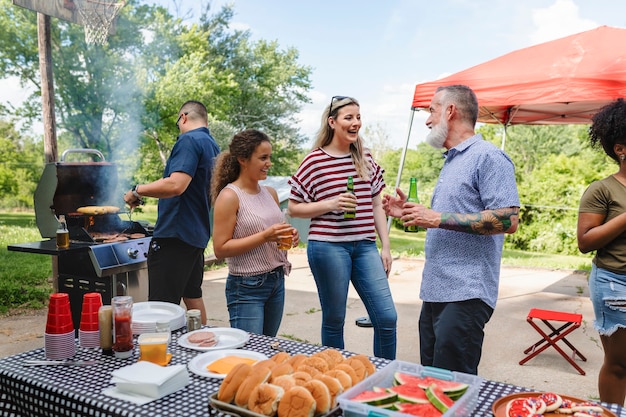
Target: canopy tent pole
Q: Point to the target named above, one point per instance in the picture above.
(406, 145)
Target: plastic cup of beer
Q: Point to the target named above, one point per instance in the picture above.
(285, 242)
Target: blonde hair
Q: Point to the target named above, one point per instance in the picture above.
(227, 168)
(325, 136)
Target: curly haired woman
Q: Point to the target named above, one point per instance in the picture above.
(602, 227)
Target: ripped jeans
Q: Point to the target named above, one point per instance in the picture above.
(607, 291)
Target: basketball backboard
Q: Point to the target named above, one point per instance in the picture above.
(61, 9)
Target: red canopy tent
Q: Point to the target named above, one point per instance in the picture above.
(565, 81)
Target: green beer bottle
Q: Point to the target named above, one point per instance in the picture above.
(350, 188)
(412, 199)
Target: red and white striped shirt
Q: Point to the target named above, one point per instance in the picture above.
(322, 176)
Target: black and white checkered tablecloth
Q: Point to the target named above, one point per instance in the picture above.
(77, 391)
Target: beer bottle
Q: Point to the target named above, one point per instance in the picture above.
(412, 199)
(350, 188)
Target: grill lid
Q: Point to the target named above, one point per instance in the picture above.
(66, 186)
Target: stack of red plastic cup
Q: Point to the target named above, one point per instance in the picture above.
(59, 341)
(89, 331)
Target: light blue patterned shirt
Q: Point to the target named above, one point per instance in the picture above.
(476, 176)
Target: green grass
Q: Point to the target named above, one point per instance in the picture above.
(25, 278)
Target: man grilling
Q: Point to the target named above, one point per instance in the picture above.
(182, 231)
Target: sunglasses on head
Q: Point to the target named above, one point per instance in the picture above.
(332, 100)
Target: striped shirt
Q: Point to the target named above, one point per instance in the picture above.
(256, 213)
(323, 177)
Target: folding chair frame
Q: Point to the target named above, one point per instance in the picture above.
(572, 322)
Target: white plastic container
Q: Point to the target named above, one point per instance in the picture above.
(463, 407)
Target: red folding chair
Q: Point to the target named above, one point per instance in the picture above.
(571, 323)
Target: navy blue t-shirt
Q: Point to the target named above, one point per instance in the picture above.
(186, 217)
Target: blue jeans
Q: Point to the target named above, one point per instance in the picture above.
(255, 303)
(334, 266)
(607, 291)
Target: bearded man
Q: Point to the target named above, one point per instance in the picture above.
(474, 203)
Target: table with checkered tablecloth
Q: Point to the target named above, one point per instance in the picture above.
(77, 390)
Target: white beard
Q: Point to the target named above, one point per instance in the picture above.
(438, 134)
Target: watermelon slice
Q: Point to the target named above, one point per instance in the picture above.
(452, 389)
(438, 398)
(376, 398)
(422, 410)
(400, 378)
(410, 393)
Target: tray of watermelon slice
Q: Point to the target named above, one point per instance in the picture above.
(546, 404)
(402, 388)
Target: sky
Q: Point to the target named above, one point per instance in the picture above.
(378, 50)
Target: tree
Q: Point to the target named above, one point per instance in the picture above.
(121, 98)
(19, 170)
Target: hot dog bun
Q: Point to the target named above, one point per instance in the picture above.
(232, 381)
(257, 376)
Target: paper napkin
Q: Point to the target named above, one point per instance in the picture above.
(145, 381)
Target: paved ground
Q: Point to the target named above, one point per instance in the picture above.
(507, 334)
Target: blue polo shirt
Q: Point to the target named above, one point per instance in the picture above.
(186, 217)
(476, 176)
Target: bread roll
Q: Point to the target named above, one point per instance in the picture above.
(348, 370)
(233, 381)
(281, 369)
(281, 357)
(257, 376)
(326, 357)
(308, 369)
(320, 393)
(359, 368)
(268, 363)
(296, 360)
(334, 387)
(369, 366)
(344, 379)
(297, 402)
(335, 354)
(264, 399)
(316, 362)
(301, 377)
(286, 382)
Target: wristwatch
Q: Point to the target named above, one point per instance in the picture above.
(138, 197)
(135, 193)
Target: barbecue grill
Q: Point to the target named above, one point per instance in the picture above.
(107, 254)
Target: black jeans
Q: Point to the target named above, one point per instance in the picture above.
(451, 334)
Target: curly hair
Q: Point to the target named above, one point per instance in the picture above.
(325, 136)
(608, 127)
(227, 168)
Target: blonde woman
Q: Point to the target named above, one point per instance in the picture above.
(341, 249)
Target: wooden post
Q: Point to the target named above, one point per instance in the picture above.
(47, 88)
(49, 122)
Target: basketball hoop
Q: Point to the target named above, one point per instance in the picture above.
(97, 16)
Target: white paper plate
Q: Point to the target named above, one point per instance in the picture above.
(227, 338)
(145, 316)
(198, 364)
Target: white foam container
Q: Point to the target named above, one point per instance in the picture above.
(384, 378)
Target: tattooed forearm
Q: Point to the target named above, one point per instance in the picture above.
(488, 222)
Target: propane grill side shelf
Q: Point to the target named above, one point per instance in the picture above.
(47, 247)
